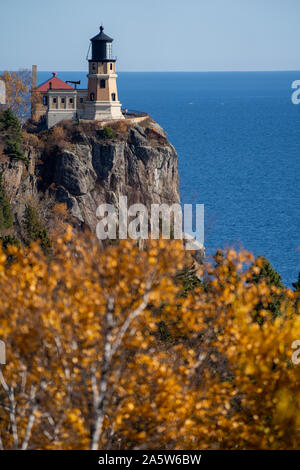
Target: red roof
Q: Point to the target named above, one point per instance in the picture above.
(56, 84)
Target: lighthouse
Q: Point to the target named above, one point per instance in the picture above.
(55, 100)
(102, 100)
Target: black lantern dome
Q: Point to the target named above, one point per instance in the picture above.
(102, 47)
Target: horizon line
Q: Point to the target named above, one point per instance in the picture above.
(177, 71)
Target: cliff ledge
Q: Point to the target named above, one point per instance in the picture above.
(85, 165)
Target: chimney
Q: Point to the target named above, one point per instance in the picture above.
(34, 76)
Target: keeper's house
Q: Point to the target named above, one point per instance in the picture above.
(56, 100)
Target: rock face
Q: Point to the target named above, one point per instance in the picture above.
(141, 165)
(20, 184)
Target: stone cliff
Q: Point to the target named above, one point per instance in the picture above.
(86, 166)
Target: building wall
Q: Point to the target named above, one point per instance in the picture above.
(61, 100)
(99, 71)
(92, 89)
(2, 92)
(102, 111)
(38, 108)
(82, 96)
(103, 94)
(62, 105)
(58, 105)
(102, 67)
(55, 116)
(102, 102)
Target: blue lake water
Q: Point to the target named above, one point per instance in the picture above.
(238, 141)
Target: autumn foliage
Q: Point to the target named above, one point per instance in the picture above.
(105, 352)
(18, 87)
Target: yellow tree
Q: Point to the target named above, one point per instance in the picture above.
(76, 325)
(18, 92)
(88, 367)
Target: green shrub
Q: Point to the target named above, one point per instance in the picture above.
(107, 133)
(10, 240)
(189, 280)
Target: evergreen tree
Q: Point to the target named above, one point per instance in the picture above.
(34, 229)
(268, 273)
(11, 133)
(13, 150)
(272, 278)
(296, 285)
(6, 215)
(10, 125)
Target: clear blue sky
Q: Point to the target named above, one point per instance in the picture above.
(173, 35)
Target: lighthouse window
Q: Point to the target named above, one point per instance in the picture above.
(92, 96)
(109, 50)
(102, 83)
(111, 67)
(113, 96)
(54, 100)
(63, 101)
(94, 67)
(45, 100)
(71, 100)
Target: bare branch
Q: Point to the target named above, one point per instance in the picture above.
(132, 316)
(3, 382)
(31, 419)
(13, 417)
(12, 409)
(109, 351)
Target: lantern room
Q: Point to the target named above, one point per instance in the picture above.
(102, 47)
